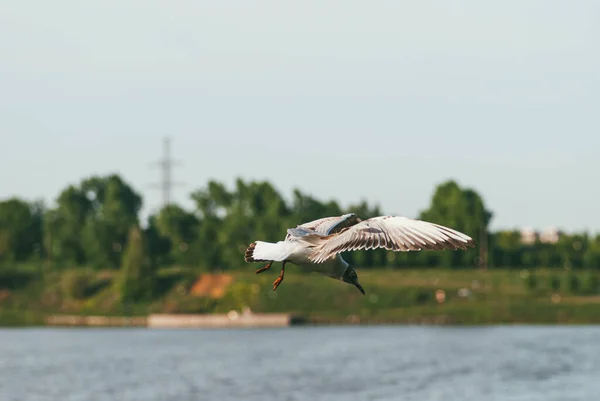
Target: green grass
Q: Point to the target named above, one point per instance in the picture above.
(408, 296)
(393, 296)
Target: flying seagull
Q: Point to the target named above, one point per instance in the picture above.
(316, 245)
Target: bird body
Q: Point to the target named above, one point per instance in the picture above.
(317, 245)
(297, 253)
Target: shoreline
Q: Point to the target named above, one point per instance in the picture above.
(264, 320)
(396, 297)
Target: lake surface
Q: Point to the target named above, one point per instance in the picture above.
(306, 363)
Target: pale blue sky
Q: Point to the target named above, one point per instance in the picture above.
(380, 100)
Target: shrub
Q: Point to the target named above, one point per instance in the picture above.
(593, 285)
(137, 274)
(574, 284)
(554, 283)
(423, 296)
(188, 304)
(12, 278)
(166, 279)
(78, 284)
(531, 282)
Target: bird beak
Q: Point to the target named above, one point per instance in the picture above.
(359, 288)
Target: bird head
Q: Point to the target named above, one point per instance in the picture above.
(351, 277)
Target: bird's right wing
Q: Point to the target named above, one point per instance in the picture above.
(394, 233)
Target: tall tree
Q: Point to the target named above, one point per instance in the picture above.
(211, 207)
(180, 228)
(91, 221)
(463, 210)
(115, 208)
(137, 274)
(506, 247)
(306, 208)
(158, 246)
(64, 224)
(591, 256)
(230, 220)
(20, 229)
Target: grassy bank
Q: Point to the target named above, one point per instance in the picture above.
(393, 296)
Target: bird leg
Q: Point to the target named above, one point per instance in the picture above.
(262, 269)
(280, 278)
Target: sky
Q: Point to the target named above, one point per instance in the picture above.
(346, 100)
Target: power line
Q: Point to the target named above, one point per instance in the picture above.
(166, 164)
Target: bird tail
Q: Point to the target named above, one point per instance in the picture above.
(260, 251)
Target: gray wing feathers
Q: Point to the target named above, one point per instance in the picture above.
(310, 237)
(330, 225)
(323, 226)
(300, 232)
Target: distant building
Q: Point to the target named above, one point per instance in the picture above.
(550, 235)
(528, 236)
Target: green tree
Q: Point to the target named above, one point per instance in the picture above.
(306, 208)
(211, 204)
(64, 224)
(554, 282)
(180, 229)
(230, 220)
(20, 229)
(159, 247)
(463, 210)
(137, 275)
(591, 256)
(114, 209)
(574, 283)
(90, 222)
(506, 249)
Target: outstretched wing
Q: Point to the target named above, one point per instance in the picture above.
(394, 233)
(327, 225)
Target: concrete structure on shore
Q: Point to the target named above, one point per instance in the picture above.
(232, 319)
(100, 321)
(228, 320)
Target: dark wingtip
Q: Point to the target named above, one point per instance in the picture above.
(248, 256)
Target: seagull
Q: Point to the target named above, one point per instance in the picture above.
(316, 246)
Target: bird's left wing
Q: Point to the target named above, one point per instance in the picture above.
(327, 225)
(330, 225)
(395, 233)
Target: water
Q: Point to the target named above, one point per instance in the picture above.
(311, 363)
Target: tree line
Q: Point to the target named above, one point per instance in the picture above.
(92, 224)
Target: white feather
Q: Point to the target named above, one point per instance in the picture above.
(277, 252)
